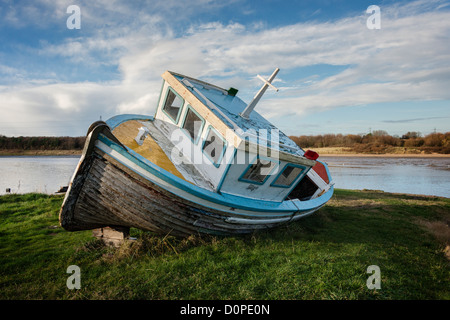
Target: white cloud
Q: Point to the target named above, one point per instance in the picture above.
(408, 59)
(51, 109)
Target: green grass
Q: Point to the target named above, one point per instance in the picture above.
(324, 256)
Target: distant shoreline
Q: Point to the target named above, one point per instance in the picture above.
(18, 153)
(395, 153)
(385, 155)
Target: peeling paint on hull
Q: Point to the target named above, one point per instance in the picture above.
(107, 192)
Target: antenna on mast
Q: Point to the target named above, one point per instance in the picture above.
(267, 83)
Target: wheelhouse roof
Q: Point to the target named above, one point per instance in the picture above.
(256, 129)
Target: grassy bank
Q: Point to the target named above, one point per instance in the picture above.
(324, 256)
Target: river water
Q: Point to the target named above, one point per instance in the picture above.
(36, 174)
(428, 176)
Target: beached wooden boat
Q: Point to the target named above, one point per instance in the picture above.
(204, 163)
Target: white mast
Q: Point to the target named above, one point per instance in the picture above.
(267, 83)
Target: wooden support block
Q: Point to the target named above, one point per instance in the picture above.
(112, 236)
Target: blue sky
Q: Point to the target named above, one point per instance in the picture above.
(336, 75)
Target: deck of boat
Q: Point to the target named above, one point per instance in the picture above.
(157, 148)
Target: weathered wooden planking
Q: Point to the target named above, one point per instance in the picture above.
(66, 215)
(105, 193)
(114, 195)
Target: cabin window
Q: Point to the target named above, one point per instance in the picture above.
(193, 124)
(214, 146)
(259, 171)
(172, 105)
(287, 177)
(304, 190)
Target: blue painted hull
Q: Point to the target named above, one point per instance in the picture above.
(116, 187)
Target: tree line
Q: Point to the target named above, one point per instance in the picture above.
(41, 143)
(378, 141)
